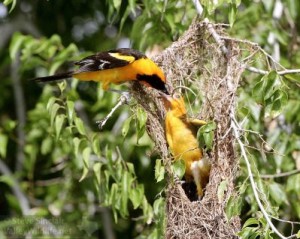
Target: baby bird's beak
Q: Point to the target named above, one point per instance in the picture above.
(166, 99)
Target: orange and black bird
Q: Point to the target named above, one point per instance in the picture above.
(115, 66)
(181, 136)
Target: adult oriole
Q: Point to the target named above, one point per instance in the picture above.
(115, 66)
(181, 137)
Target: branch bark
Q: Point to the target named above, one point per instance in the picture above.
(20, 111)
(23, 201)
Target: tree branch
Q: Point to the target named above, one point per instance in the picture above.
(216, 36)
(281, 175)
(20, 111)
(283, 72)
(198, 7)
(23, 201)
(236, 128)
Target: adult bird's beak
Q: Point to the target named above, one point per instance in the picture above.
(166, 99)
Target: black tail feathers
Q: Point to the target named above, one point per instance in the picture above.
(55, 77)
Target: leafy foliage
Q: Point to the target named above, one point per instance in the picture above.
(10, 2)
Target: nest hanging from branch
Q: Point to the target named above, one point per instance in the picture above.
(201, 61)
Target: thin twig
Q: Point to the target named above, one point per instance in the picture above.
(288, 71)
(183, 87)
(198, 7)
(283, 72)
(216, 36)
(256, 46)
(285, 221)
(292, 236)
(256, 70)
(123, 100)
(281, 175)
(236, 128)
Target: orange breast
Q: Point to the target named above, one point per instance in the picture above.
(184, 143)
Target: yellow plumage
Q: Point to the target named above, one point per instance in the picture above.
(181, 136)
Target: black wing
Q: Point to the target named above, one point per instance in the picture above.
(109, 59)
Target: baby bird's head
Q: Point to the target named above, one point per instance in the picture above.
(174, 103)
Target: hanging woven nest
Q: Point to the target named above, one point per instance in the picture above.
(208, 66)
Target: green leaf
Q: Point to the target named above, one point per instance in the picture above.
(64, 55)
(244, 111)
(210, 126)
(61, 85)
(54, 66)
(205, 135)
(53, 111)
(268, 5)
(9, 125)
(179, 168)
(124, 17)
(263, 89)
(249, 233)
(277, 193)
(59, 121)
(221, 190)
(276, 106)
(86, 153)
(97, 171)
(141, 116)
(154, 234)
(208, 140)
(270, 81)
(55, 40)
(71, 110)
(7, 179)
(15, 44)
(130, 167)
(159, 170)
(298, 234)
(47, 145)
(258, 90)
(50, 103)
(12, 2)
(293, 8)
(113, 194)
(108, 156)
(147, 211)
(86, 159)
(3, 145)
(126, 182)
(136, 195)
(79, 125)
(132, 6)
(232, 14)
(292, 77)
(126, 126)
(117, 4)
(251, 222)
(76, 142)
(96, 145)
(233, 207)
(158, 206)
(280, 99)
